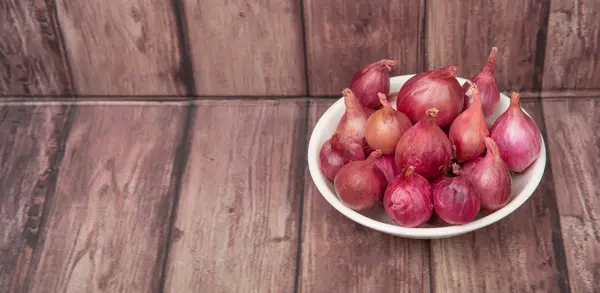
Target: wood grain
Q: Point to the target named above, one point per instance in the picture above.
(127, 47)
(107, 225)
(463, 33)
(237, 219)
(574, 146)
(520, 253)
(32, 61)
(243, 47)
(30, 144)
(339, 255)
(572, 53)
(343, 36)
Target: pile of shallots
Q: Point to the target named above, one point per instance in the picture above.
(434, 159)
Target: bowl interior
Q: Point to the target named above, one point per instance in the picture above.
(523, 184)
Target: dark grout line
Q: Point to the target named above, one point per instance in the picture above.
(185, 74)
(63, 48)
(305, 48)
(301, 150)
(431, 282)
(423, 40)
(540, 48)
(179, 165)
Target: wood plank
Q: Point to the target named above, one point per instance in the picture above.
(464, 32)
(32, 61)
(339, 255)
(574, 144)
(128, 47)
(107, 226)
(572, 59)
(521, 253)
(237, 220)
(30, 146)
(246, 47)
(343, 36)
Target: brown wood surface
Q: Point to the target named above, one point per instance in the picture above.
(573, 50)
(246, 47)
(574, 144)
(127, 47)
(30, 140)
(32, 61)
(339, 255)
(343, 36)
(463, 33)
(520, 253)
(107, 225)
(236, 227)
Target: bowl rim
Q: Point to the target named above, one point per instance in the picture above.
(320, 182)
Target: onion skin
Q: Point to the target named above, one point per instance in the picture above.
(354, 121)
(359, 184)
(372, 79)
(432, 89)
(387, 165)
(426, 147)
(468, 129)
(490, 177)
(455, 200)
(385, 127)
(518, 138)
(486, 83)
(407, 200)
(337, 152)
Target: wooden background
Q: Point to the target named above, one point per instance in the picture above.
(275, 48)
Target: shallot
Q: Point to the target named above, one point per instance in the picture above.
(432, 89)
(359, 184)
(354, 120)
(407, 200)
(426, 147)
(486, 83)
(455, 200)
(490, 176)
(372, 79)
(385, 127)
(518, 138)
(387, 166)
(469, 129)
(338, 151)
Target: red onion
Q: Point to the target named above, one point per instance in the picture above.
(372, 79)
(354, 120)
(455, 200)
(387, 165)
(486, 83)
(490, 177)
(359, 184)
(432, 89)
(518, 138)
(338, 151)
(468, 129)
(426, 147)
(385, 127)
(407, 200)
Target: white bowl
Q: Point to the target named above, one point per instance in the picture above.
(523, 185)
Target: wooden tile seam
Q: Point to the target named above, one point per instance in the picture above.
(301, 162)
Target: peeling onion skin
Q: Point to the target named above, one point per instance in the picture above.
(486, 83)
(426, 147)
(387, 165)
(407, 200)
(337, 152)
(518, 138)
(359, 184)
(490, 176)
(385, 127)
(353, 122)
(455, 200)
(469, 129)
(372, 79)
(432, 89)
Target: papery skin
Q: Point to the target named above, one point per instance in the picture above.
(337, 152)
(486, 83)
(353, 122)
(455, 200)
(372, 79)
(517, 136)
(387, 165)
(469, 129)
(432, 89)
(385, 127)
(407, 199)
(360, 184)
